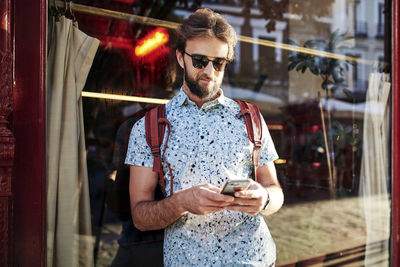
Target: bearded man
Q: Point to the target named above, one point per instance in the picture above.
(208, 145)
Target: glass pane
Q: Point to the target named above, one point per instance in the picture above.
(316, 69)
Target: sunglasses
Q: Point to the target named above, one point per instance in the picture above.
(201, 61)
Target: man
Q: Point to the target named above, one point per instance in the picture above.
(208, 145)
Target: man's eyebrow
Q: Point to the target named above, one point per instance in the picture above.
(196, 54)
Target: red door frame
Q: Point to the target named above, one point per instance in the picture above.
(396, 134)
(29, 124)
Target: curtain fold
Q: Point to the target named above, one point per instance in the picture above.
(69, 237)
(374, 178)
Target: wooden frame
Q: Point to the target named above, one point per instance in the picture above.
(23, 90)
(29, 125)
(395, 135)
(7, 140)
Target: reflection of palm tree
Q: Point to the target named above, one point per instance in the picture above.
(331, 71)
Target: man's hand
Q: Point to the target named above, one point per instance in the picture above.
(204, 199)
(149, 214)
(251, 201)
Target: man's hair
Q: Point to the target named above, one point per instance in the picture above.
(206, 23)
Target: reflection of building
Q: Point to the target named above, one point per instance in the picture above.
(365, 21)
(23, 77)
(264, 68)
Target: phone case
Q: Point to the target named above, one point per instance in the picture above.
(232, 186)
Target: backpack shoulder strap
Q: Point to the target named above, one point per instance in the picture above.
(155, 123)
(252, 119)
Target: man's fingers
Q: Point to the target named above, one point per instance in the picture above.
(212, 193)
(219, 198)
(213, 188)
(206, 202)
(248, 194)
(205, 197)
(248, 201)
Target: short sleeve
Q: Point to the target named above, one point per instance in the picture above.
(138, 153)
(267, 151)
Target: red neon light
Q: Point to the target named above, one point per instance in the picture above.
(152, 41)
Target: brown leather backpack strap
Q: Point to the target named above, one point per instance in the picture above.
(252, 119)
(155, 122)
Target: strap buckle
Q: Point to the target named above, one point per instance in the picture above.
(155, 150)
(257, 144)
(242, 113)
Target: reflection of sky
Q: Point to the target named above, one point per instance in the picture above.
(240, 93)
(333, 105)
(375, 107)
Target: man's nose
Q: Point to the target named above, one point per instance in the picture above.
(209, 69)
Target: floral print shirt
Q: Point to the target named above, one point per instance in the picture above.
(209, 145)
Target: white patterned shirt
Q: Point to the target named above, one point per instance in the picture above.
(209, 145)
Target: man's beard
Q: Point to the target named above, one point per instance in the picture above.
(201, 92)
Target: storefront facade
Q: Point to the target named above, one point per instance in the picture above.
(280, 92)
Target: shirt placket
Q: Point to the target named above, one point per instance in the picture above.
(204, 125)
(202, 129)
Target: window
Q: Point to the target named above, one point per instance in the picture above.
(313, 84)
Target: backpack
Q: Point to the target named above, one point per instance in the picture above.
(156, 122)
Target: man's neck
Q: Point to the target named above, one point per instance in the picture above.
(199, 101)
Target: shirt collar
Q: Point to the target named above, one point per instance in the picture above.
(183, 99)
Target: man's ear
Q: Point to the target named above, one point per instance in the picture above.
(179, 58)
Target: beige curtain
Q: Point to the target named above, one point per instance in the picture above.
(374, 179)
(69, 238)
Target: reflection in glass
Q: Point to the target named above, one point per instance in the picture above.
(329, 126)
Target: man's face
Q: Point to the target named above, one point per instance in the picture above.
(203, 82)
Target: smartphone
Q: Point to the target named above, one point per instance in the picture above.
(232, 186)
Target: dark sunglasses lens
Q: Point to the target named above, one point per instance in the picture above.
(219, 64)
(199, 61)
